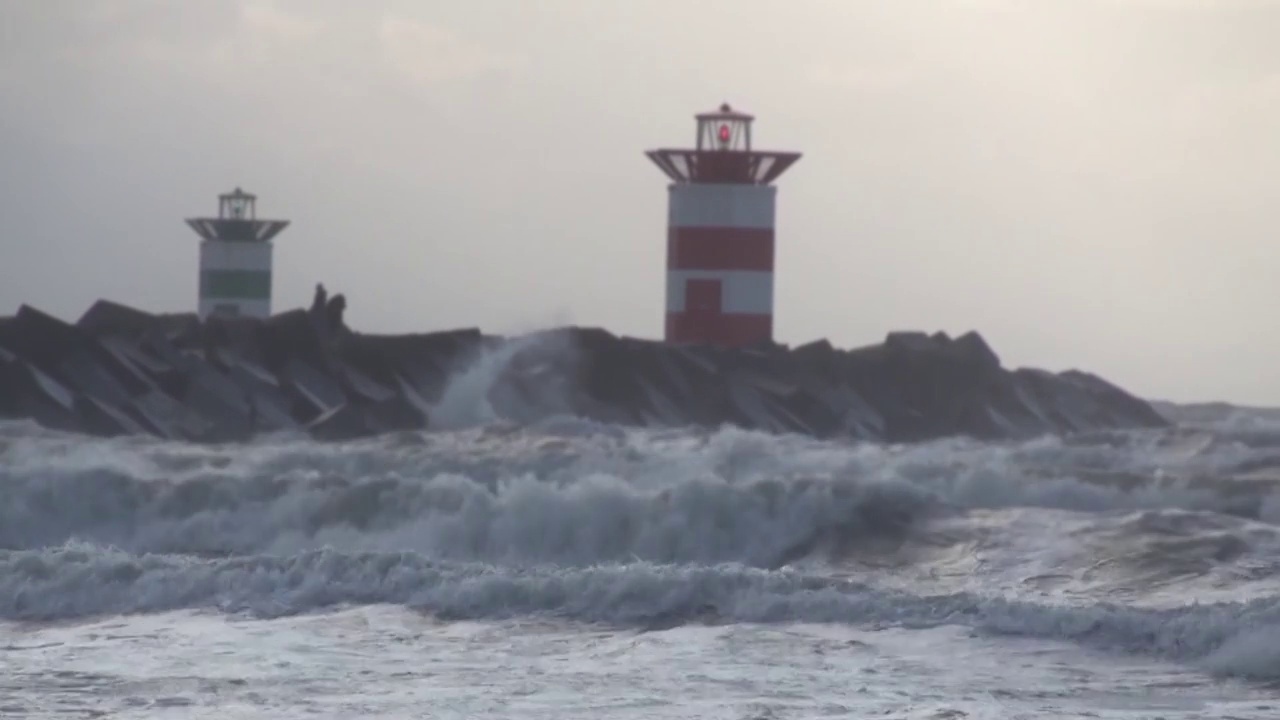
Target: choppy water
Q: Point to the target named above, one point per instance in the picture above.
(572, 570)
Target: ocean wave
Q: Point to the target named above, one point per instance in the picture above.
(576, 493)
(579, 520)
(77, 581)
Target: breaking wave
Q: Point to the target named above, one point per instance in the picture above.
(1152, 542)
(76, 581)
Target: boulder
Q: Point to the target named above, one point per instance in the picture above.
(34, 395)
(351, 421)
(106, 318)
(120, 370)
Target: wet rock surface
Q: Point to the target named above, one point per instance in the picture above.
(121, 371)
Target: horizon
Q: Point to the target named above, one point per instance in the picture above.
(1088, 185)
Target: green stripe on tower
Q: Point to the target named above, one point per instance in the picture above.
(236, 284)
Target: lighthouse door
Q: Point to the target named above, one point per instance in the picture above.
(702, 306)
(702, 295)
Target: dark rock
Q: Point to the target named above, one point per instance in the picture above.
(971, 348)
(120, 370)
(424, 361)
(99, 418)
(267, 402)
(10, 385)
(34, 395)
(397, 413)
(345, 422)
(309, 392)
(106, 318)
(350, 421)
(288, 336)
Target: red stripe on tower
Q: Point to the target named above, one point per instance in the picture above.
(720, 234)
(719, 248)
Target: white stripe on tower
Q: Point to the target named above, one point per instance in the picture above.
(720, 257)
(735, 206)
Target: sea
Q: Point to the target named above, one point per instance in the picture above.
(567, 570)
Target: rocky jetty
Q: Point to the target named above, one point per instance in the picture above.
(120, 371)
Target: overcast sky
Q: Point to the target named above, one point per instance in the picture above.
(1089, 183)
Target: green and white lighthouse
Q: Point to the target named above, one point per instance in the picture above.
(235, 258)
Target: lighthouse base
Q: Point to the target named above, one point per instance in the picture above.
(727, 330)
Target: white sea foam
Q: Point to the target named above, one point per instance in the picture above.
(563, 493)
(1101, 539)
(78, 581)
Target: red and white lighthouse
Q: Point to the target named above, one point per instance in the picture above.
(720, 239)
